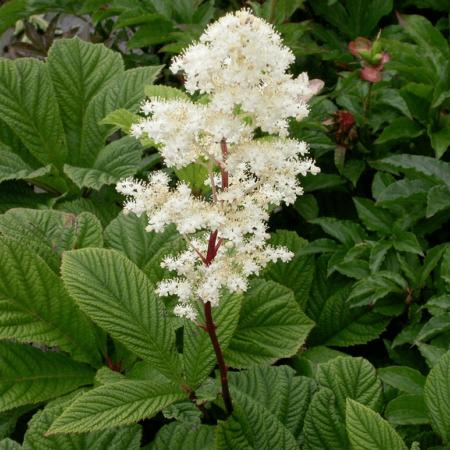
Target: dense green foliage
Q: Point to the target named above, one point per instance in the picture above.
(347, 346)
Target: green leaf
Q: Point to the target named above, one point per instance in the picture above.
(323, 425)
(353, 378)
(437, 393)
(404, 191)
(114, 162)
(165, 92)
(406, 241)
(9, 444)
(29, 375)
(194, 175)
(298, 273)
(375, 287)
(307, 206)
(126, 233)
(125, 91)
(35, 307)
(121, 119)
(154, 32)
(354, 17)
(179, 436)
(440, 139)
(252, 426)
(373, 218)
(36, 439)
(115, 404)
(431, 168)
(29, 107)
(438, 199)
(50, 233)
(338, 324)
(435, 326)
(119, 298)
(368, 430)
(271, 326)
(12, 167)
(401, 128)
(279, 391)
(403, 378)
(79, 70)
(198, 353)
(345, 231)
(407, 409)
(10, 13)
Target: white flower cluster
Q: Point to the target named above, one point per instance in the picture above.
(241, 64)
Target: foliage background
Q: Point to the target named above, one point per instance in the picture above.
(370, 235)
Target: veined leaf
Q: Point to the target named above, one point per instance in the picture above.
(28, 106)
(35, 307)
(404, 192)
(29, 375)
(179, 436)
(165, 92)
(12, 167)
(252, 426)
(79, 70)
(120, 119)
(198, 353)
(126, 438)
(298, 273)
(345, 231)
(118, 297)
(426, 166)
(9, 444)
(438, 198)
(403, 378)
(368, 430)
(49, 233)
(407, 409)
(115, 404)
(271, 326)
(340, 325)
(279, 390)
(323, 425)
(114, 162)
(437, 393)
(126, 91)
(375, 219)
(126, 233)
(353, 378)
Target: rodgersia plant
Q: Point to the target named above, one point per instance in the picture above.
(239, 133)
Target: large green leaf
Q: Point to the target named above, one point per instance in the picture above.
(323, 425)
(13, 167)
(271, 326)
(198, 353)
(407, 409)
(403, 378)
(119, 298)
(298, 273)
(28, 106)
(9, 444)
(114, 162)
(353, 17)
(279, 390)
(121, 403)
(340, 325)
(252, 426)
(353, 378)
(125, 438)
(49, 233)
(126, 91)
(179, 436)
(35, 307)
(79, 70)
(437, 393)
(29, 375)
(127, 234)
(430, 168)
(369, 431)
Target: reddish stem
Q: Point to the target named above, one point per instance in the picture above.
(224, 173)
